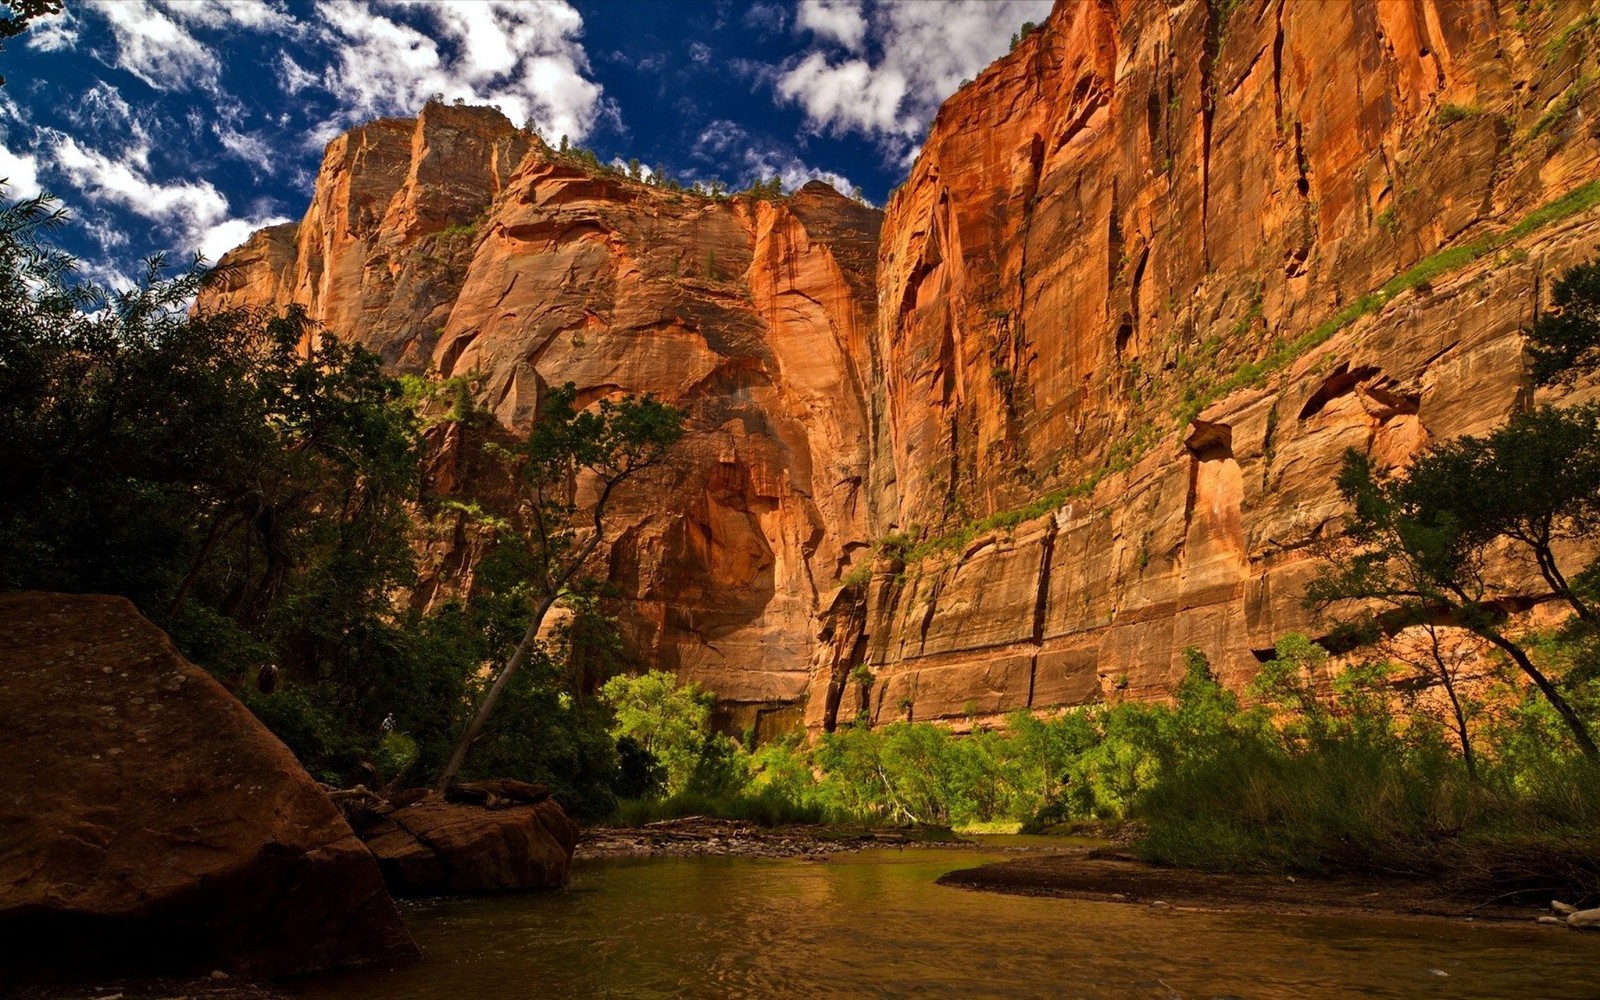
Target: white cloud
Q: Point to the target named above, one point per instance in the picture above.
(908, 59)
(840, 20)
(190, 205)
(292, 76)
(849, 96)
(727, 148)
(256, 15)
(524, 58)
(224, 236)
(155, 39)
(155, 48)
(251, 149)
(101, 112)
(766, 16)
(21, 173)
(195, 212)
(56, 33)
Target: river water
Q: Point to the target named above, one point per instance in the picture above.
(874, 924)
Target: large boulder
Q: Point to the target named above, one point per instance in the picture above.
(148, 819)
(484, 837)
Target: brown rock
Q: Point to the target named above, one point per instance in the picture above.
(147, 818)
(755, 317)
(1109, 218)
(1129, 213)
(435, 847)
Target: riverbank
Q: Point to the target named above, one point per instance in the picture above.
(701, 836)
(1111, 876)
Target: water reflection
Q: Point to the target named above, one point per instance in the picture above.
(875, 925)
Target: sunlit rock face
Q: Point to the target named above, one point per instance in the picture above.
(458, 244)
(1076, 315)
(1119, 217)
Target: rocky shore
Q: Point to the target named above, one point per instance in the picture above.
(700, 836)
(1108, 875)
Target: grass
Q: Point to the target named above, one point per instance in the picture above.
(976, 828)
(1562, 106)
(1450, 113)
(1576, 29)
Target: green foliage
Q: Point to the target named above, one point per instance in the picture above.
(1416, 544)
(241, 479)
(669, 722)
(859, 576)
(1450, 113)
(1565, 339)
(1321, 774)
(551, 537)
(1562, 106)
(1578, 31)
(769, 189)
(245, 481)
(763, 808)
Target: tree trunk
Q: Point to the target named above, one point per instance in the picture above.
(1448, 678)
(459, 755)
(1580, 732)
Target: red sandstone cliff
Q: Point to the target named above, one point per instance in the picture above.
(1119, 224)
(1107, 296)
(458, 244)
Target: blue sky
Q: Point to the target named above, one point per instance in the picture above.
(182, 125)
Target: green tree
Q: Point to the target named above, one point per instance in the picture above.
(1423, 546)
(668, 721)
(557, 528)
(242, 480)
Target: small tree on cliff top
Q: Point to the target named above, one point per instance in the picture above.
(558, 532)
(1428, 546)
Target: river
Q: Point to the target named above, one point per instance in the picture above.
(874, 924)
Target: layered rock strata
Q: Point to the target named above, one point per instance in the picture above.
(1077, 408)
(1133, 273)
(432, 243)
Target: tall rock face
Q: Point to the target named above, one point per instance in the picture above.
(1122, 325)
(380, 256)
(1078, 406)
(455, 243)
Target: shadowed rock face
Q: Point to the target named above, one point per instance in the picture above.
(147, 820)
(437, 848)
(1081, 293)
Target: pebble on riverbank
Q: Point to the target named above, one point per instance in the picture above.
(699, 836)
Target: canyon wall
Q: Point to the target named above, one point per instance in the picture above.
(1076, 407)
(457, 245)
(1126, 275)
